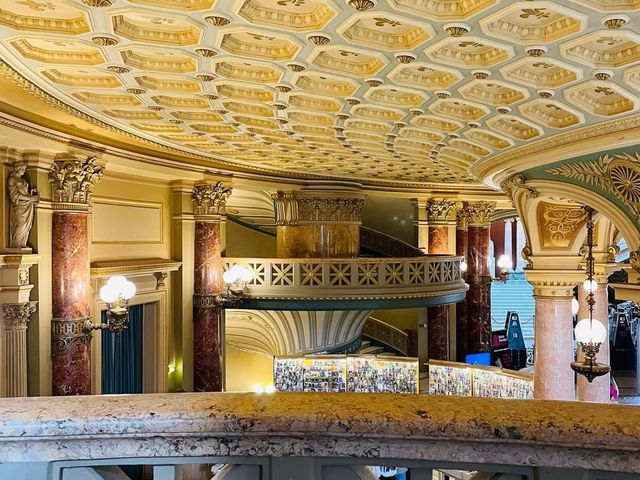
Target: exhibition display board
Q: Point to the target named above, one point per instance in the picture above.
(461, 379)
(345, 373)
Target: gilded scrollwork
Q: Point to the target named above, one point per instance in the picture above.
(210, 198)
(334, 209)
(515, 183)
(559, 223)
(618, 175)
(73, 178)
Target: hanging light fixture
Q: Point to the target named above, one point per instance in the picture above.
(590, 334)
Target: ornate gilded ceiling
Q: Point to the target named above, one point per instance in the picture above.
(406, 90)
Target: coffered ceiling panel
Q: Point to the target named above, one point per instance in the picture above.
(398, 91)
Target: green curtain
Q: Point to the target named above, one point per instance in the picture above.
(122, 356)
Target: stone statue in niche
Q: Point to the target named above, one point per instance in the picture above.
(23, 202)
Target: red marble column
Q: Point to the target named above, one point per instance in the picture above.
(462, 241)
(479, 278)
(208, 319)
(72, 179)
(598, 389)
(438, 240)
(438, 332)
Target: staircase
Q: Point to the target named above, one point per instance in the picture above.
(370, 347)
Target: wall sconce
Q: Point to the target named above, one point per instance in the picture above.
(505, 265)
(116, 293)
(236, 279)
(464, 266)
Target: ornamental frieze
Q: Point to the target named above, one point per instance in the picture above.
(209, 198)
(330, 209)
(73, 178)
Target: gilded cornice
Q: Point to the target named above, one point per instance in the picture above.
(554, 283)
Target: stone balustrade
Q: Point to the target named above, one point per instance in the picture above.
(418, 431)
(412, 281)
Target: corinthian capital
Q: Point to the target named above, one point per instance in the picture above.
(209, 198)
(462, 216)
(15, 316)
(440, 210)
(480, 213)
(73, 178)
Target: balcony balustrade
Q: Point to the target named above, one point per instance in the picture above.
(316, 436)
(352, 283)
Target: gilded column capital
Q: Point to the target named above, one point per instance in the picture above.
(210, 198)
(479, 214)
(462, 216)
(440, 210)
(72, 180)
(517, 182)
(554, 283)
(286, 208)
(15, 316)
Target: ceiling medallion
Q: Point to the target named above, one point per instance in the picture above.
(296, 67)
(602, 74)
(319, 38)
(205, 77)
(536, 51)
(353, 101)
(373, 82)
(280, 106)
(343, 116)
(546, 93)
(217, 20)
(457, 30)
(176, 122)
(416, 112)
(443, 94)
(504, 110)
(211, 96)
(400, 124)
(615, 22)
(155, 108)
(283, 88)
(405, 57)
(136, 91)
(104, 41)
(98, 3)
(480, 74)
(221, 111)
(361, 5)
(282, 121)
(454, 135)
(118, 69)
(206, 52)
(473, 125)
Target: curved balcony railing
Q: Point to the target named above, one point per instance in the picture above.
(386, 334)
(413, 281)
(307, 436)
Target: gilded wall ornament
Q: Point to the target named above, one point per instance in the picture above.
(23, 202)
(330, 209)
(618, 175)
(209, 198)
(16, 315)
(72, 179)
(286, 208)
(560, 223)
(515, 183)
(480, 214)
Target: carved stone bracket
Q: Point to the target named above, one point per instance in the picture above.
(515, 183)
(479, 214)
(67, 332)
(440, 210)
(15, 316)
(160, 278)
(209, 198)
(72, 180)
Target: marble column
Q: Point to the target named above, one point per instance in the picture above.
(208, 319)
(553, 291)
(462, 243)
(440, 218)
(72, 180)
(479, 277)
(318, 223)
(13, 335)
(598, 389)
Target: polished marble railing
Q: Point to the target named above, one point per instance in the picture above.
(353, 278)
(317, 436)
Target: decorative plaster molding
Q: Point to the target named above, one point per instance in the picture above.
(554, 283)
(313, 210)
(462, 216)
(440, 210)
(72, 180)
(558, 224)
(515, 183)
(209, 198)
(286, 208)
(67, 331)
(480, 214)
(16, 316)
(618, 175)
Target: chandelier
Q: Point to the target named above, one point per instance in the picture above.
(589, 334)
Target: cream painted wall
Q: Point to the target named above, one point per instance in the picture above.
(407, 318)
(393, 216)
(246, 242)
(244, 370)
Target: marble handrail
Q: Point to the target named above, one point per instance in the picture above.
(352, 277)
(358, 426)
